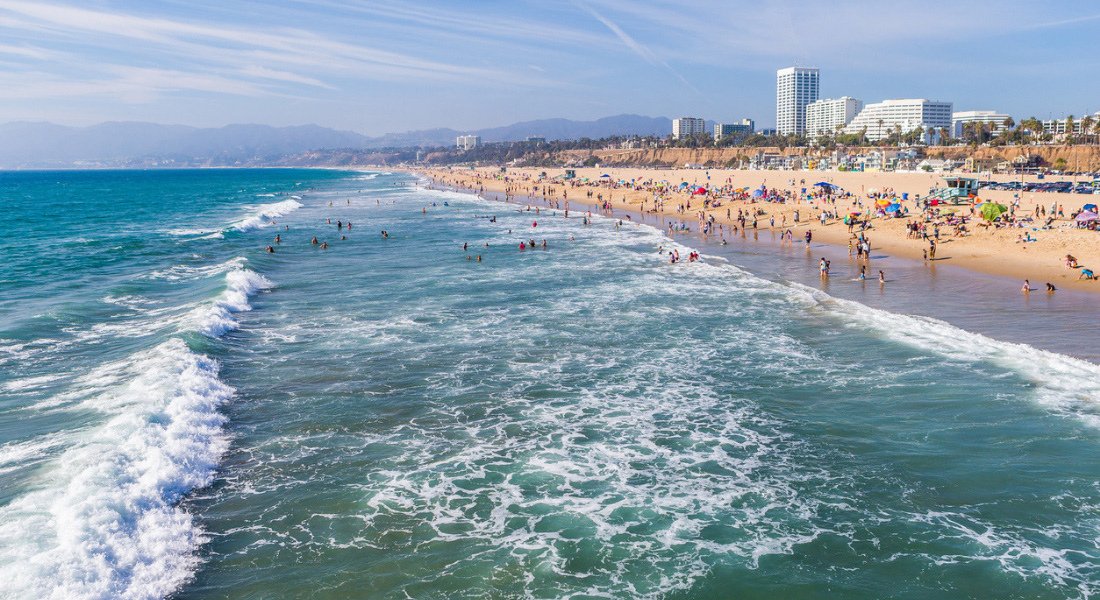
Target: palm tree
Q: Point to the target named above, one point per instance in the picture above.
(1033, 126)
(1069, 129)
(1086, 127)
(1008, 124)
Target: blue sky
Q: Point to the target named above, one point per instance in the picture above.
(379, 66)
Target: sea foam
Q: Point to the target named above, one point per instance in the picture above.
(216, 319)
(264, 214)
(105, 523)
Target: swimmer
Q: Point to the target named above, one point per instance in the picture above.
(1050, 288)
(313, 241)
(881, 277)
(1027, 287)
(324, 245)
(478, 258)
(271, 250)
(465, 246)
(278, 240)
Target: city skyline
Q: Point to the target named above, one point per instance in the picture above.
(391, 67)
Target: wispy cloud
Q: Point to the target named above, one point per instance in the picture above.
(623, 36)
(641, 50)
(218, 58)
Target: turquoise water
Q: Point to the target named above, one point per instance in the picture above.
(184, 414)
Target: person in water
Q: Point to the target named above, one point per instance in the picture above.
(881, 277)
(314, 241)
(1050, 288)
(1027, 286)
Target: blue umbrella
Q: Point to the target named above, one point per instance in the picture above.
(1091, 207)
(757, 193)
(893, 208)
(605, 176)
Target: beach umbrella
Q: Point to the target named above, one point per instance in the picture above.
(1087, 216)
(883, 202)
(699, 191)
(992, 210)
(757, 193)
(605, 176)
(1091, 207)
(893, 208)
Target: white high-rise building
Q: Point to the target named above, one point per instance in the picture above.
(824, 116)
(467, 142)
(958, 119)
(686, 126)
(795, 87)
(884, 118)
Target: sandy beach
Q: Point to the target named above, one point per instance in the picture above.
(987, 249)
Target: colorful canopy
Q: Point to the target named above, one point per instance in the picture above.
(1086, 216)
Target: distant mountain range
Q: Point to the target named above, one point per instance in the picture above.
(45, 145)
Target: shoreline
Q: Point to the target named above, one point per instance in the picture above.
(956, 295)
(989, 252)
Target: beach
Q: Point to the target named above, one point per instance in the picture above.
(990, 250)
(415, 406)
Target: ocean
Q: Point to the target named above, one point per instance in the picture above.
(185, 415)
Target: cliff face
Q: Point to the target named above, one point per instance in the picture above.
(1078, 158)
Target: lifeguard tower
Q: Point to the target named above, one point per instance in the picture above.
(959, 190)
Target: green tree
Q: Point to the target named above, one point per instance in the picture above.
(1086, 128)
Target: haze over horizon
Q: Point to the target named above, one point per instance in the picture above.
(391, 67)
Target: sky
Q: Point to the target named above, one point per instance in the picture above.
(379, 66)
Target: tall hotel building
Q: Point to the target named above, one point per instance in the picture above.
(795, 87)
(688, 126)
(826, 116)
